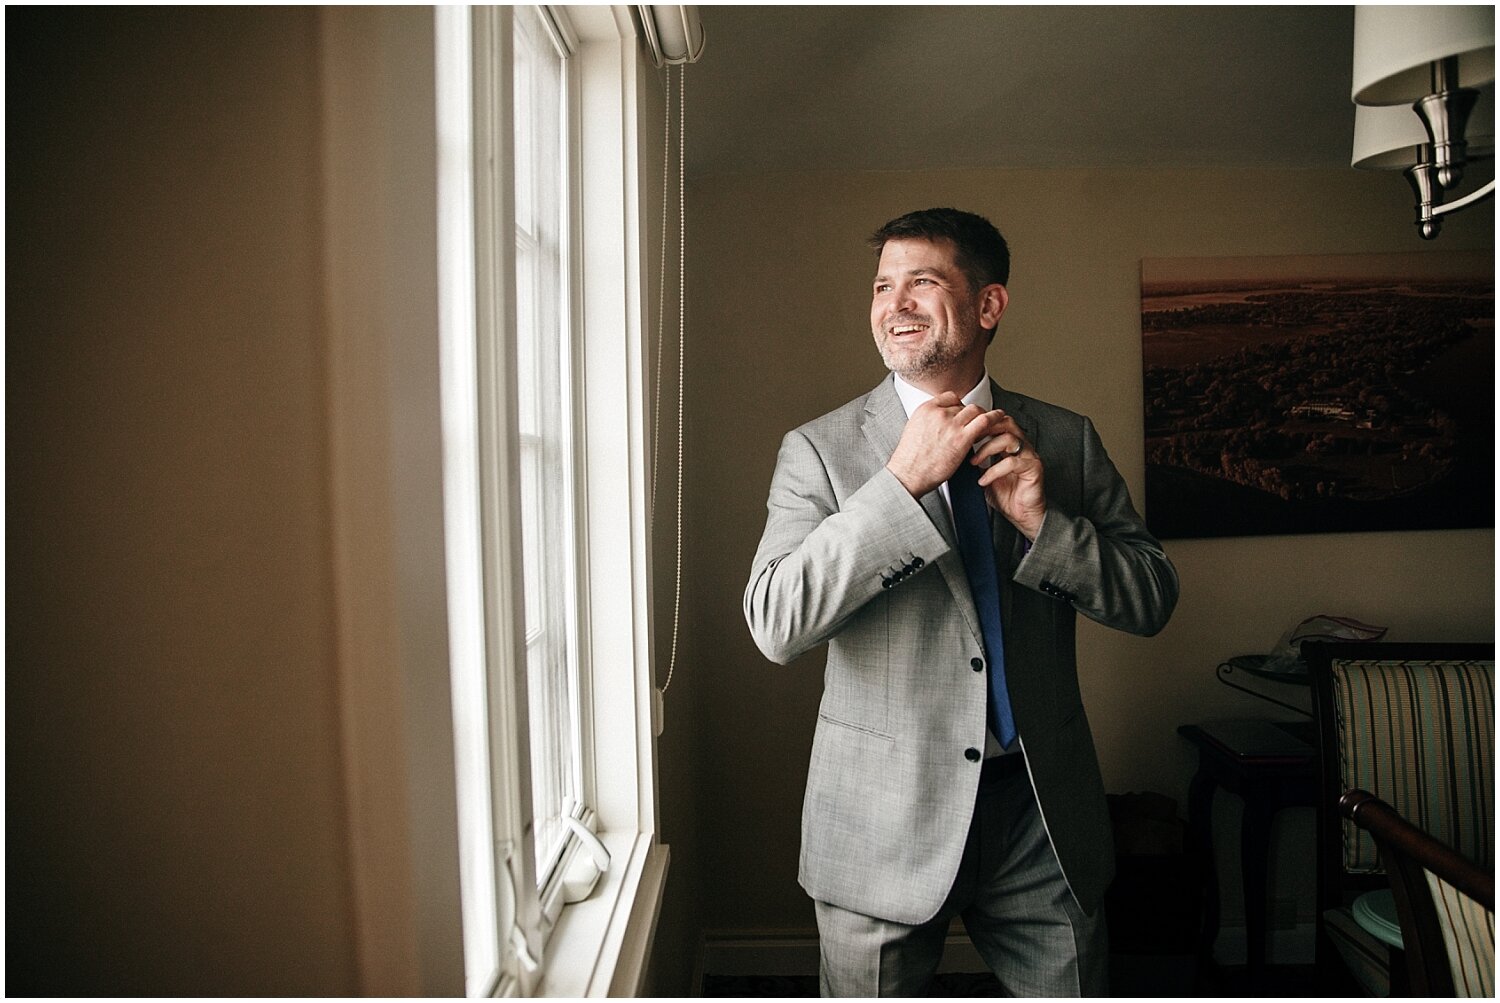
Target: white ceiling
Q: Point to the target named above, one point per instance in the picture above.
(918, 87)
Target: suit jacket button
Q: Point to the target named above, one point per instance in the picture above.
(972, 755)
(918, 563)
(977, 664)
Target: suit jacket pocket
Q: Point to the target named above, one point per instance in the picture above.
(853, 726)
(856, 682)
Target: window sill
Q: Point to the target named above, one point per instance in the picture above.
(600, 945)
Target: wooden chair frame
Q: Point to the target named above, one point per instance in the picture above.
(1407, 853)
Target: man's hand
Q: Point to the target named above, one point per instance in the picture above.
(1013, 483)
(937, 438)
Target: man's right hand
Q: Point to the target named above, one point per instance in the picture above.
(937, 438)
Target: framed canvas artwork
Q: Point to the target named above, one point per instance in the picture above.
(1350, 393)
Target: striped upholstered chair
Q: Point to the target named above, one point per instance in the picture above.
(1445, 903)
(1413, 724)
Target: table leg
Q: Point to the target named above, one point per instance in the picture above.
(1255, 844)
(1200, 843)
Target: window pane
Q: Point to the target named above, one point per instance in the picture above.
(525, 124)
(543, 385)
(533, 506)
(548, 769)
(529, 322)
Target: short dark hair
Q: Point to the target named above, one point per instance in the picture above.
(980, 252)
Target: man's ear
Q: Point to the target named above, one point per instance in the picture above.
(992, 302)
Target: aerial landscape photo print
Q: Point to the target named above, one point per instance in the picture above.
(1349, 393)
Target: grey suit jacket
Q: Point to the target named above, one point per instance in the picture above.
(850, 559)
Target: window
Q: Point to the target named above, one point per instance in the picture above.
(545, 404)
(545, 530)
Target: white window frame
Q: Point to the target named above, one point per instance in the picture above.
(596, 946)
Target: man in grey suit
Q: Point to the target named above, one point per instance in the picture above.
(953, 772)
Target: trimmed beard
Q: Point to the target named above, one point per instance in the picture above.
(936, 355)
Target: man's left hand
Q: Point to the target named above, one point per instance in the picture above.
(1013, 482)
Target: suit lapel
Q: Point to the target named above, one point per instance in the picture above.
(1010, 545)
(885, 419)
(1015, 406)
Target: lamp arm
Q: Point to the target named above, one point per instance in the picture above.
(1467, 200)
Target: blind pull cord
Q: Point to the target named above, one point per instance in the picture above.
(658, 706)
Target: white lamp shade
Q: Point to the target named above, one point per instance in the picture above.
(1388, 137)
(1393, 47)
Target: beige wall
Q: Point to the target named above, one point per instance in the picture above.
(230, 763)
(779, 334)
(174, 797)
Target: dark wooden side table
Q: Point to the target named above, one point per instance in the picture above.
(1271, 765)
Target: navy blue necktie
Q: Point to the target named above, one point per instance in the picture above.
(971, 521)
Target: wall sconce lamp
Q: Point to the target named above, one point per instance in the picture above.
(1417, 71)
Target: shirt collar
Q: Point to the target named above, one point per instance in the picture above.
(913, 397)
